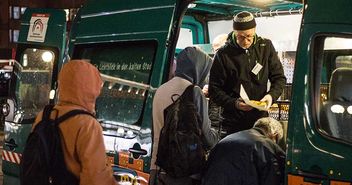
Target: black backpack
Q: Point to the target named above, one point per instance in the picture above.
(42, 160)
(180, 151)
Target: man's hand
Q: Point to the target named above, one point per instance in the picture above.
(268, 99)
(242, 106)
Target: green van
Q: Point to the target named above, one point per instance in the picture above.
(133, 45)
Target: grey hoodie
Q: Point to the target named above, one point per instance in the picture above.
(193, 65)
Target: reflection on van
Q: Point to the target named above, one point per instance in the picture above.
(34, 81)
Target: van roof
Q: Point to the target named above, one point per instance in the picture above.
(223, 8)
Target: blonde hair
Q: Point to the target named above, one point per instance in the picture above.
(271, 126)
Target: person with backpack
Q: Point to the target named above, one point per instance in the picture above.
(248, 157)
(82, 144)
(181, 124)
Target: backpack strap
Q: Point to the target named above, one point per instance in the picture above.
(71, 114)
(189, 89)
(174, 97)
(47, 111)
(188, 93)
(49, 108)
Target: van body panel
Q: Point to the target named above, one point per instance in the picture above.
(131, 45)
(328, 12)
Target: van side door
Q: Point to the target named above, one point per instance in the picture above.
(132, 44)
(319, 135)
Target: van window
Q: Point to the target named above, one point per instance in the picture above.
(125, 69)
(34, 80)
(335, 92)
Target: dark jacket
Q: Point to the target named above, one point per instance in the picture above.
(245, 158)
(232, 67)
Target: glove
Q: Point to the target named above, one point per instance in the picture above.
(268, 99)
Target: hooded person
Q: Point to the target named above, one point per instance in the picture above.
(193, 66)
(79, 85)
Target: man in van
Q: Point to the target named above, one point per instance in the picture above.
(248, 157)
(250, 61)
(192, 68)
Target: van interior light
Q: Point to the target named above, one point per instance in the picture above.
(52, 94)
(262, 2)
(47, 56)
(25, 60)
(110, 85)
(121, 87)
(129, 134)
(338, 109)
(120, 132)
(349, 109)
(7, 76)
(192, 5)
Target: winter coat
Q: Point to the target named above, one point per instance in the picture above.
(79, 85)
(193, 66)
(232, 66)
(245, 158)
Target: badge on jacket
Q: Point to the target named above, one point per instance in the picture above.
(257, 68)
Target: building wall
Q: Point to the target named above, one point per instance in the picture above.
(4, 31)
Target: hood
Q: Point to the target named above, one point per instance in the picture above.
(79, 84)
(193, 65)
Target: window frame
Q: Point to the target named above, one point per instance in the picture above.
(14, 83)
(316, 66)
(78, 51)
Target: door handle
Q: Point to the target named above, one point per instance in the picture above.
(137, 151)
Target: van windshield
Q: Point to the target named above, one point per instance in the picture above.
(125, 68)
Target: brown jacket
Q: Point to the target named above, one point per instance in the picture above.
(83, 144)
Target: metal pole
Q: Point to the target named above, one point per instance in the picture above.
(278, 12)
